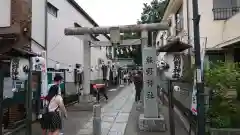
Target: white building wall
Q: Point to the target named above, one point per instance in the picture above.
(67, 50)
(38, 24)
(230, 29)
(210, 28)
(96, 54)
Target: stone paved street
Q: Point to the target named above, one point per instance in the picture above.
(114, 114)
(119, 117)
(76, 119)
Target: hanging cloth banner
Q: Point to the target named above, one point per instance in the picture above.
(194, 92)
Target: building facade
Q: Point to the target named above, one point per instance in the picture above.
(28, 27)
(219, 37)
(218, 22)
(65, 50)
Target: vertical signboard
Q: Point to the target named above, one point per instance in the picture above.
(5, 13)
(150, 82)
(194, 92)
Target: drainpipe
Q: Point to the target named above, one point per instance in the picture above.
(1, 98)
(44, 75)
(188, 36)
(46, 29)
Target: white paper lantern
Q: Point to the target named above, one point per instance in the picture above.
(39, 63)
(57, 66)
(19, 69)
(92, 69)
(175, 62)
(117, 52)
(70, 69)
(177, 88)
(131, 49)
(121, 51)
(96, 67)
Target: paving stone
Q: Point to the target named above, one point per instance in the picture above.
(107, 125)
(114, 115)
(115, 133)
(118, 127)
(110, 114)
(108, 118)
(85, 132)
(105, 131)
(88, 125)
(122, 117)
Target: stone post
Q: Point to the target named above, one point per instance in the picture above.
(150, 120)
(97, 119)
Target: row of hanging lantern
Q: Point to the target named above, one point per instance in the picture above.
(121, 50)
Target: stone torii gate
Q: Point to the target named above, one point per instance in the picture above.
(151, 120)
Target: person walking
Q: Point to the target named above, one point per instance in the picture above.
(125, 77)
(138, 82)
(52, 121)
(56, 83)
(101, 90)
(129, 78)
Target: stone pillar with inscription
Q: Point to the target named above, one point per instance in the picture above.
(151, 119)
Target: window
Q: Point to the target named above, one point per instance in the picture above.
(224, 9)
(179, 20)
(52, 9)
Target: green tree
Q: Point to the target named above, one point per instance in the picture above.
(223, 79)
(154, 11)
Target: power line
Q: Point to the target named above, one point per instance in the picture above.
(57, 44)
(58, 61)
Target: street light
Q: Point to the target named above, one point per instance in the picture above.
(57, 66)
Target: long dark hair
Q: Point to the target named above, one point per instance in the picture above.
(53, 91)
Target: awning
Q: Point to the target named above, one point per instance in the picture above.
(18, 52)
(25, 52)
(228, 43)
(176, 45)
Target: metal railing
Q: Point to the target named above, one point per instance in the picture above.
(224, 13)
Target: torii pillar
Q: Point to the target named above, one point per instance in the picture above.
(86, 97)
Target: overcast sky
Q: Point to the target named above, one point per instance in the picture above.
(113, 12)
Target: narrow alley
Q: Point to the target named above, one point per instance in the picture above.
(114, 114)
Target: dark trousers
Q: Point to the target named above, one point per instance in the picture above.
(137, 94)
(101, 92)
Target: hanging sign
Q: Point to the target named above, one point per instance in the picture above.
(175, 62)
(194, 98)
(194, 93)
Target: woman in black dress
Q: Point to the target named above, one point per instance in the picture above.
(52, 119)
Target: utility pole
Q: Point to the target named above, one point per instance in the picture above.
(1, 98)
(29, 100)
(199, 79)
